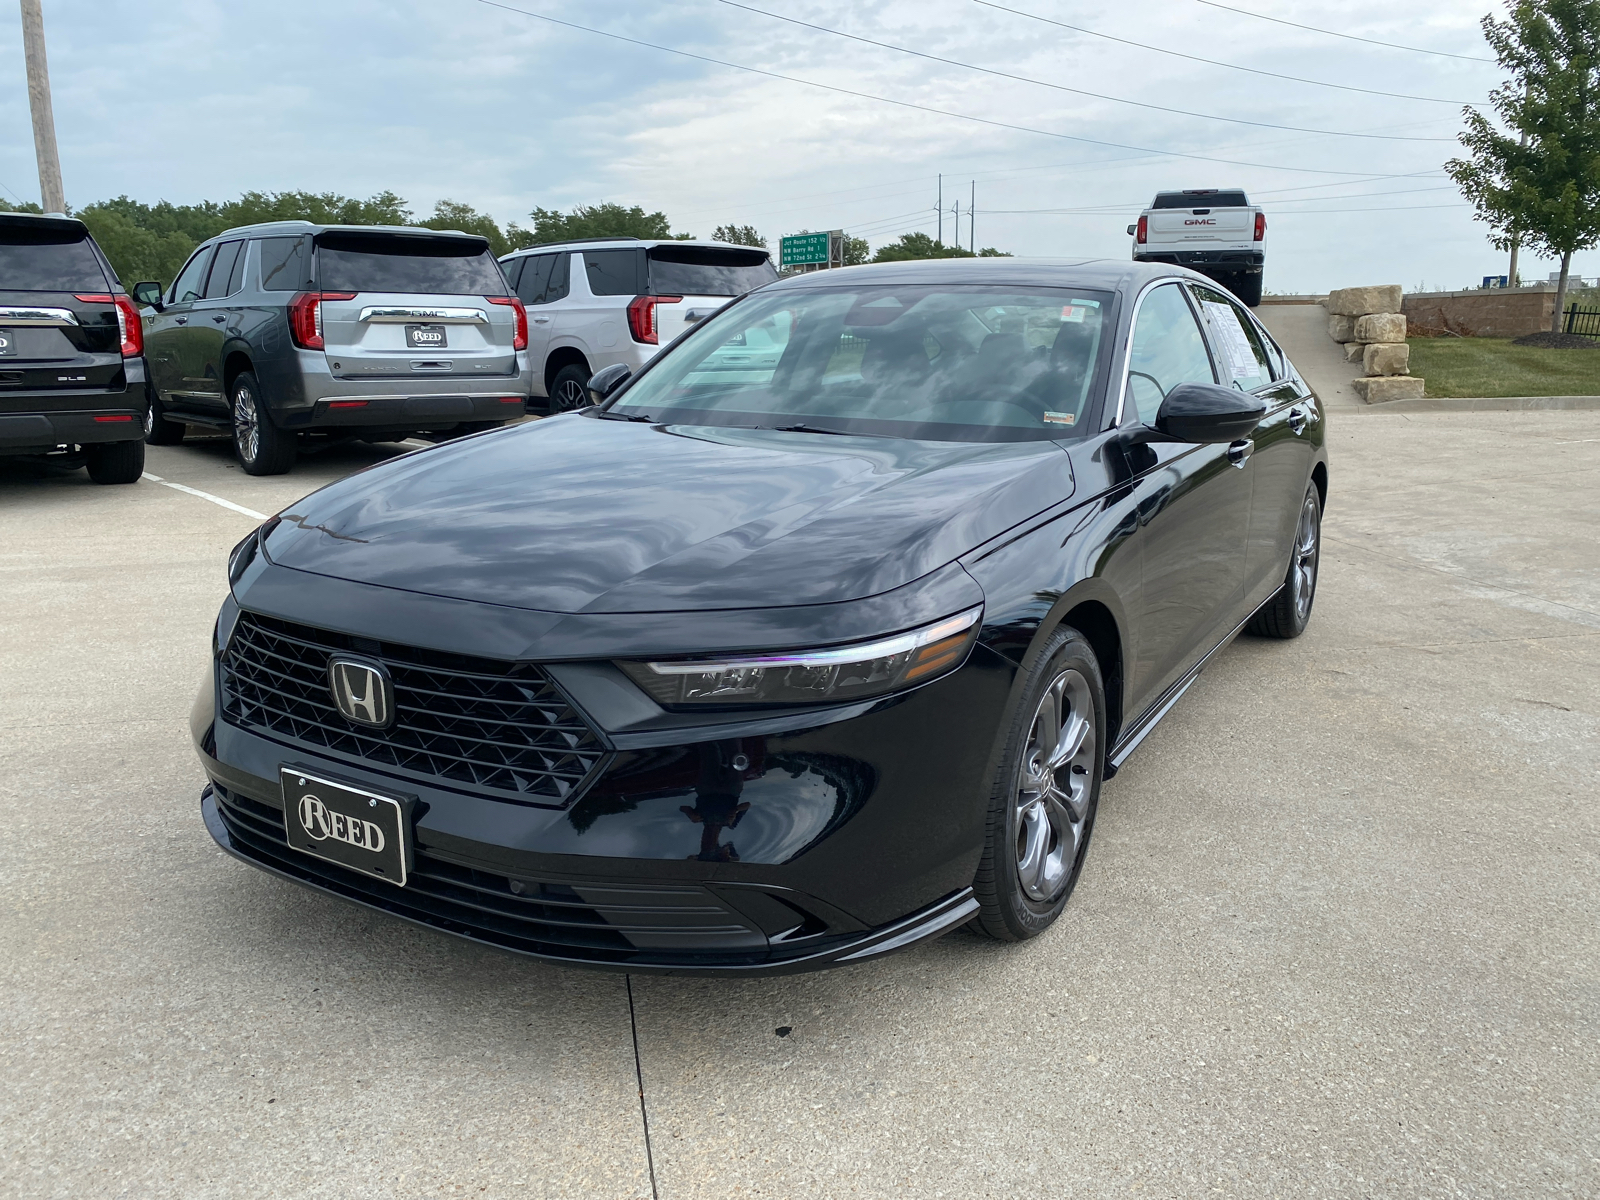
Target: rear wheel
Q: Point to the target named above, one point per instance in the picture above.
(569, 390)
(1288, 613)
(159, 431)
(1044, 798)
(115, 462)
(262, 447)
(1247, 288)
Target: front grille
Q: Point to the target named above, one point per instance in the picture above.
(595, 922)
(496, 726)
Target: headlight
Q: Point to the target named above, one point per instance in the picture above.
(242, 555)
(830, 676)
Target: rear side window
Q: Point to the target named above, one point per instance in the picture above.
(358, 262)
(613, 272)
(190, 284)
(48, 260)
(285, 264)
(1218, 199)
(1243, 358)
(707, 271)
(222, 269)
(535, 278)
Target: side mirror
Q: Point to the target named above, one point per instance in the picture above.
(1205, 412)
(1132, 229)
(607, 380)
(149, 293)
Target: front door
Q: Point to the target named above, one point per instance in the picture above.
(166, 335)
(1193, 505)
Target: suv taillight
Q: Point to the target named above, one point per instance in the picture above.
(519, 339)
(1144, 231)
(1261, 226)
(305, 317)
(129, 331)
(642, 317)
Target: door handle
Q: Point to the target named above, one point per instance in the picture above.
(219, 320)
(542, 320)
(182, 320)
(1239, 452)
(1297, 420)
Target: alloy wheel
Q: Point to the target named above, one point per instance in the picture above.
(1304, 575)
(570, 395)
(246, 430)
(1052, 802)
(150, 418)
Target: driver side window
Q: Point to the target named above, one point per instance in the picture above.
(1168, 349)
(188, 284)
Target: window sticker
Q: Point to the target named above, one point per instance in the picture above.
(1055, 418)
(1074, 314)
(1235, 345)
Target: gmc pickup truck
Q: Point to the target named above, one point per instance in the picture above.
(1215, 231)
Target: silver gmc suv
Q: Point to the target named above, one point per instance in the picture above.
(288, 331)
(595, 303)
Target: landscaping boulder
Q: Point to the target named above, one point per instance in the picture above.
(1359, 301)
(1379, 327)
(1353, 351)
(1384, 358)
(1342, 329)
(1384, 388)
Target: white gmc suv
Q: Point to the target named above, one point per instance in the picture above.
(619, 300)
(1215, 231)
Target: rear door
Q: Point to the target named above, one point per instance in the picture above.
(413, 306)
(211, 319)
(707, 277)
(59, 333)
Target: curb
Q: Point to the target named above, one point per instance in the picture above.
(1481, 404)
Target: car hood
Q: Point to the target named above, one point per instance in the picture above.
(577, 515)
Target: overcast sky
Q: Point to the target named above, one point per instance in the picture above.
(197, 99)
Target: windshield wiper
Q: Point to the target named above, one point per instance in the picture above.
(608, 415)
(815, 429)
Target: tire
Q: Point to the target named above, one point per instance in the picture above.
(159, 431)
(1247, 288)
(1288, 613)
(262, 447)
(569, 390)
(1038, 829)
(115, 462)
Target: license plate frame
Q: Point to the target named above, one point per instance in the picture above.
(427, 337)
(344, 822)
(8, 343)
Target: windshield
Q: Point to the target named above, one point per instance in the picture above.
(945, 363)
(355, 262)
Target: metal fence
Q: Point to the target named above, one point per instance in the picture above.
(1583, 320)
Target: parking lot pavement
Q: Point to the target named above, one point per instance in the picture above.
(1337, 935)
(1302, 331)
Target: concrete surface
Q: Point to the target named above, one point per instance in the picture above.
(1337, 935)
(1302, 331)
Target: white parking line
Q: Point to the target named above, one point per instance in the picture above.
(228, 504)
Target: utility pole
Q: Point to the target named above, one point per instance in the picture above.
(44, 120)
(972, 220)
(956, 238)
(939, 208)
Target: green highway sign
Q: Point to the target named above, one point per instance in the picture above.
(802, 249)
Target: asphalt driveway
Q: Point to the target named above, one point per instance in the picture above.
(1337, 935)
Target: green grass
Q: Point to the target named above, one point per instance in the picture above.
(1494, 367)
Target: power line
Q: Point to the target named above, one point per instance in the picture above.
(1060, 87)
(1348, 36)
(938, 112)
(1344, 87)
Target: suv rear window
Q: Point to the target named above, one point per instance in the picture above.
(48, 260)
(1219, 199)
(356, 262)
(707, 271)
(285, 265)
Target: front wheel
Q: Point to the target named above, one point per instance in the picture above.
(1288, 613)
(262, 447)
(115, 462)
(1044, 798)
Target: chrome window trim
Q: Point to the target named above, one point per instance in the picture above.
(393, 314)
(27, 315)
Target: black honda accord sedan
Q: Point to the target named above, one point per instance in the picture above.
(817, 637)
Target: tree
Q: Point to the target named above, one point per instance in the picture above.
(739, 235)
(600, 220)
(1545, 193)
(920, 245)
(452, 214)
(856, 251)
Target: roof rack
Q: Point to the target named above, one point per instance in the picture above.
(579, 241)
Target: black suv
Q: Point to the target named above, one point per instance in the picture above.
(72, 370)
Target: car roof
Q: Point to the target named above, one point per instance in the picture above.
(1112, 274)
(59, 222)
(627, 243)
(300, 228)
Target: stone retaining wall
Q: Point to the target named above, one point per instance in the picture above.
(1486, 312)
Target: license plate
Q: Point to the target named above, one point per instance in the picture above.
(426, 337)
(360, 830)
(8, 342)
